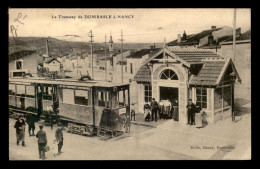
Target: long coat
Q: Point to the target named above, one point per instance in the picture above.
(20, 130)
(41, 135)
(191, 108)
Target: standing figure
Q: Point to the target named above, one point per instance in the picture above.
(147, 112)
(161, 108)
(154, 109)
(59, 138)
(42, 142)
(30, 119)
(175, 110)
(20, 130)
(191, 112)
(167, 105)
(132, 110)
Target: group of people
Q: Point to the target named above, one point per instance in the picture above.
(168, 110)
(164, 108)
(30, 119)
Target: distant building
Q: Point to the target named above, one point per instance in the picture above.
(52, 64)
(24, 61)
(242, 62)
(207, 39)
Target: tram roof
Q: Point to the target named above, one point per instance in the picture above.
(67, 82)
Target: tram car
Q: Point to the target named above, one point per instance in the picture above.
(86, 107)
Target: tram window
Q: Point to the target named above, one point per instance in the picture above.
(47, 93)
(81, 97)
(11, 89)
(30, 91)
(67, 95)
(101, 99)
(20, 90)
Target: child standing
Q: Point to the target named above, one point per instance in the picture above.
(54, 148)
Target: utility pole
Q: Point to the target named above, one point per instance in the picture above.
(234, 35)
(106, 56)
(91, 46)
(122, 54)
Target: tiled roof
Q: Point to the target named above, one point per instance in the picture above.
(244, 36)
(143, 74)
(209, 73)
(139, 53)
(193, 39)
(50, 60)
(193, 55)
(20, 54)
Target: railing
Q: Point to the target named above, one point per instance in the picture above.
(81, 113)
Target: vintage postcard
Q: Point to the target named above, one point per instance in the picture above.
(129, 84)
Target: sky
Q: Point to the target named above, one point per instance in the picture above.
(138, 25)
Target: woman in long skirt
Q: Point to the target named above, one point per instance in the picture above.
(20, 130)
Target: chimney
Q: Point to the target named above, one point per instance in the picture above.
(179, 38)
(238, 31)
(213, 27)
(47, 47)
(151, 49)
(184, 36)
(210, 39)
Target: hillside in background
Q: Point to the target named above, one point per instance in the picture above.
(61, 47)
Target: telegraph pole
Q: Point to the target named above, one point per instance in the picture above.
(234, 35)
(106, 56)
(122, 55)
(91, 46)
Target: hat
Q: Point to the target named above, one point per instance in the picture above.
(153, 99)
(190, 99)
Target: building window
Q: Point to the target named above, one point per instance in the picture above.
(201, 95)
(169, 74)
(19, 65)
(81, 97)
(147, 93)
(131, 68)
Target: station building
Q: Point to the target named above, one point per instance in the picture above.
(179, 74)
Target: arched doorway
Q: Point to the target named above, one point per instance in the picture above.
(169, 93)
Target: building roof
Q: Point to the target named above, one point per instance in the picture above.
(139, 54)
(244, 36)
(192, 55)
(50, 60)
(212, 72)
(20, 54)
(212, 65)
(193, 39)
(143, 74)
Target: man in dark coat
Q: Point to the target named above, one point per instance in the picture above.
(30, 119)
(20, 130)
(154, 109)
(59, 138)
(191, 112)
(42, 142)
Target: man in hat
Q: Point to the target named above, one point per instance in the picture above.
(154, 109)
(42, 142)
(30, 119)
(59, 138)
(191, 112)
(20, 130)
